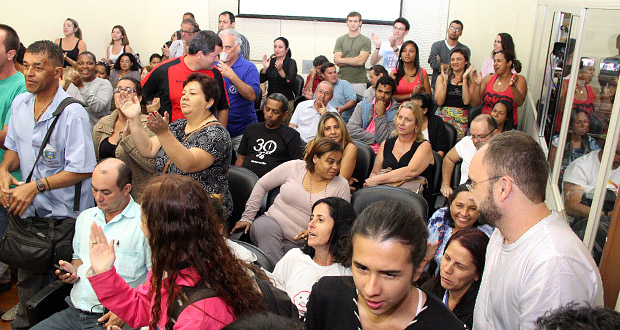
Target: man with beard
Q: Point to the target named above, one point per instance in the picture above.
(534, 261)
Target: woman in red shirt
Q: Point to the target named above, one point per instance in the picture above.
(410, 77)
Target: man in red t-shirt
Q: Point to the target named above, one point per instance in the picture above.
(166, 80)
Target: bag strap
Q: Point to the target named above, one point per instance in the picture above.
(213, 122)
(268, 294)
(61, 107)
(189, 295)
(63, 104)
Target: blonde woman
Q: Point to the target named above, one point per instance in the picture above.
(332, 126)
(406, 153)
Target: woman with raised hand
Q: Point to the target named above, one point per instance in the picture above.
(410, 77)
(187, 250)
(387, 258)
(279, 70)
(73, 43)
(324, 254)
(302, 183)
(197, 146)
(332, 126)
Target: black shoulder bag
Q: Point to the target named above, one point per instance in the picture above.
(36, 243)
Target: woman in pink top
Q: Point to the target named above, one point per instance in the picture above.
(302, 183)
(503, 85)
(410, 77)
(503, 41)
(187, 250)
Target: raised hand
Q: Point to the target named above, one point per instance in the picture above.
(75, 78)
(101, 253)
(513, 80)
(392, 41)
(376, 40)
(156, 123)
(165, 50)
(476, 77)
(444, 74)
(266, 61)
(154, 106)
(131, 106)
(468, 71)
(380, 108)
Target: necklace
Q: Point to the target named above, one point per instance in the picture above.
(318, 276)
(36, 118)
(324, 191)
(412, 75)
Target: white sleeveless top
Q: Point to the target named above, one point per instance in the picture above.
(114, 57)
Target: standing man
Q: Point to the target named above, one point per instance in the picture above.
(119, 216)
(226, 21)
(267, 145)
(166, 80)
(308, 113)
(179, 47)
(351, 52)
(534, 262)
(243, 83)
(439, 59)
(11, 84)
(373, 120)
(389, 50)
(69, 157)
(343, 98)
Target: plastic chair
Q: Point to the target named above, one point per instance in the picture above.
(366, 196)
(298, 85)
(262, 259)
(241, 181)
(363, 164)
(451, 131)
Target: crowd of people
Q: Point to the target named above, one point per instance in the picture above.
(138, 167)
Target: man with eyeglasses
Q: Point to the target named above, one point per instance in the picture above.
(534, 261)
(343, 98)
(439, 58)
(308, 113)
(389, 50)
(179, 47)
(482, 129)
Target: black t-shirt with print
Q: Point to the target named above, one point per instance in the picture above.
(264, 148)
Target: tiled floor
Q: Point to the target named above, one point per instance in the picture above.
(7, 300)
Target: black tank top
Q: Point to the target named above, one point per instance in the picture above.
(390, 161)
(72, 54)
(454, 96)
(106, 149)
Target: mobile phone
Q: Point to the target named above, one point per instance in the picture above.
(62, 270)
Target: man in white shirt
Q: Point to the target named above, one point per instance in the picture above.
(534, 261)
(389, 50)
(308, 113)
(580, 178)
(482, 129)
(179, 47)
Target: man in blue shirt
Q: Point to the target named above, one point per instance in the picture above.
(69, 157)
(119, 216)
(11, 84)
(344, 98)
(243, 83)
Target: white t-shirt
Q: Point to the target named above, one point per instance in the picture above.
(297, 273)
(307, 119)
(466, 150)
(176, 48)
(583, 171)
(390, 58)
(547, 267)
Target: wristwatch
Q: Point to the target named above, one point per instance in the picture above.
(40, 185)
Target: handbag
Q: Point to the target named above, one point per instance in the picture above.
(36, 243)
(416, 184)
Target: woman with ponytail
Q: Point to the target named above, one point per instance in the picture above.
(73, 43)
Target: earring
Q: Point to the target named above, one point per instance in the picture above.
(208, 107)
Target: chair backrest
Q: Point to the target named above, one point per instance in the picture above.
(298, 85)
(451, 134)
(473, 113)
(262, 259)
(435, 185)
(456, 175)
(363, 164)
(241, 181)
(366, 196)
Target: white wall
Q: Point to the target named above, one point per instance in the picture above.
(148, 23)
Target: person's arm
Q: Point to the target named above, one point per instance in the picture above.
(81, 46)
(427, 83)
(483, 86)
(447, 167)
(128, 49)
(240, 160)
(291, 73)
(245, 90)
(222, 117)
(383, 128)
(349, 158)
(147, 147)
(421, 159)
(433, 57)
(473, 86)
(552, 152)
(10, 163)
(573, 194)
(378, 161)
(518, 86)
(441, 87)
(358, 60)
(354, 126)
(3, 136)
(376, 54)
(347, 106)
(127, 143)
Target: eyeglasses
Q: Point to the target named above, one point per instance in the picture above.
(399, 28)
(188, 32)
(470, 185)
(103, 63)
(454, 29)
(124, 89)
(480, 137)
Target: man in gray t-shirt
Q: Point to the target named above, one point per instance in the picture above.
(439, 59)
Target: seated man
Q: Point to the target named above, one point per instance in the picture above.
(308, 113)
(268, 144)
(580, 178)
(373, 120)
(482, 129)
(344, 97)
(120, 218)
